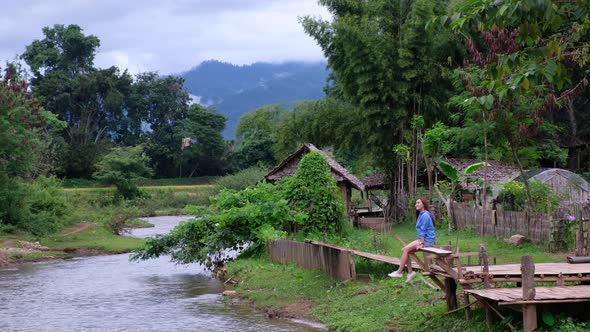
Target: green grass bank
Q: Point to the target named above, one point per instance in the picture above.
(376, 302)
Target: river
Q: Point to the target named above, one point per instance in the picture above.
(109, 293)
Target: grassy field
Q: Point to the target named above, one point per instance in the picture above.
(376, 302)
(93, 219)
(84, 183)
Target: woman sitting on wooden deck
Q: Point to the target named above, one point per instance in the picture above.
(426, 238)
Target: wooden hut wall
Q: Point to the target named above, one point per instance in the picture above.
(570, 192)
(345, 189)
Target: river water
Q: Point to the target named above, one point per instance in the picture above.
(109, 293)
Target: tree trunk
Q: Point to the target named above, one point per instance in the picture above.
(529, 195)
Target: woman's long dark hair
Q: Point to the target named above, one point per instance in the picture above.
(426, 208)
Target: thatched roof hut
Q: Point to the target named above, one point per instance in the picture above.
(288, 167)
(495, 175)
(346, 181)
(375, 182)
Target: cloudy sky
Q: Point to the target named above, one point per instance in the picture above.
(169, 36)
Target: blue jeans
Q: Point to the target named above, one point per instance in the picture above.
(428, 244)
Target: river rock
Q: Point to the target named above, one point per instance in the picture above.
(516, 239)
(230, 293)
(32, 246)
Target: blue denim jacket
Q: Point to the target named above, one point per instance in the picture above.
(425, 227)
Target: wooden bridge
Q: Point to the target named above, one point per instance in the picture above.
(445, 269)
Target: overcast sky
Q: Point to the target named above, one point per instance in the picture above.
(169, 36)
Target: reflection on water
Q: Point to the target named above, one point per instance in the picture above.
(108, 293)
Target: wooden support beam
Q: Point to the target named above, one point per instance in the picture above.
(451, 293)
(490, 308)
(529, 317)
(466, 307)
(579, 243)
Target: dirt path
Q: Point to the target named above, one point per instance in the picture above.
(77, 229)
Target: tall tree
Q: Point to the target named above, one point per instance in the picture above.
(206, 155)
(64, 49)
(386, 62)
(21, 119)
(256, 136)
(90, 101)
(523, 56)
(156, 107)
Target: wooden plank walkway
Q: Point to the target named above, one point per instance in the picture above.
(376, 257)
(546, 269)
(384, 259)
(555, 294)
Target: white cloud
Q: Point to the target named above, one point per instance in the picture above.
(170, 36)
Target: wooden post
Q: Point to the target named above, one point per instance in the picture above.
(579, 243)
(529, 311)
(451, 293)
(466, 305)
(450, 285)
(483, 257)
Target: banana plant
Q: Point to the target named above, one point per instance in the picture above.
(457, 177)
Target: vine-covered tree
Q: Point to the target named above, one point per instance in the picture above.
(313, 191)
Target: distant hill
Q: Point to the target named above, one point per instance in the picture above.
(234, 90)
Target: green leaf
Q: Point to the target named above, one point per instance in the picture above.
(474, 167)
(448, 170)
(550, 71)
(548, 318)
(502, 10)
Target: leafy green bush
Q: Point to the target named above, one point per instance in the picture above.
(513, 197)
(122, 167)
(233, 221)
(45, 206)
(314, 192)
(12, 193)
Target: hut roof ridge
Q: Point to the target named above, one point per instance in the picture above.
(334, 165)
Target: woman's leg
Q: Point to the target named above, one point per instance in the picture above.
(406, 251)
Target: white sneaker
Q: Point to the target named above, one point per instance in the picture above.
(396, 274)
(411, 276)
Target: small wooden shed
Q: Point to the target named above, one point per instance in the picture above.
(571, 187)
(345, 180)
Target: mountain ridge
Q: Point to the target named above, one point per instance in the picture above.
(237, 89)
